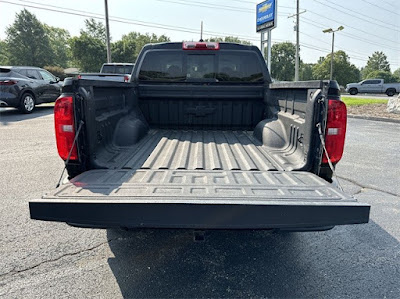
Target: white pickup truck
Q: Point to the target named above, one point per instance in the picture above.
(119, 72)
(373, 86)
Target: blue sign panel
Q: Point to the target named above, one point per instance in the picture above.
(266, 15)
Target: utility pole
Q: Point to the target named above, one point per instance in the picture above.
(107, 33)
(296, 65)
(330, 30)
(297, 27)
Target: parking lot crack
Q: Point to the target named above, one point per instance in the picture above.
(15, 272)
(364, 186)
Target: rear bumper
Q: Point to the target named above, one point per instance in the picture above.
(8, 99)
(215, 215)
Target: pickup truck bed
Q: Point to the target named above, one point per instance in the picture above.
(193, 150)
(198, 179)
(218, 147)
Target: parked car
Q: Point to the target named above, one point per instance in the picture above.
(24, 87)
(373, 86)
(120, 72)
(202, 140)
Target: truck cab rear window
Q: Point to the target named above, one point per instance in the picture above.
(117, 69)
(178, 66)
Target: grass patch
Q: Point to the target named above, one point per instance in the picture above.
(362, 101)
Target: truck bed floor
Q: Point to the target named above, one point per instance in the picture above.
(194, 150)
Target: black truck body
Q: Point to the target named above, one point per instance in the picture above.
(199, 139)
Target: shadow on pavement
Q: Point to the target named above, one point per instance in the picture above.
(350, 261)
(10, 115)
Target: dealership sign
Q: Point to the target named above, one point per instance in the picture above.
(266, 15)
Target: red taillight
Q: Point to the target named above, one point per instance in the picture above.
(65, 127)
(8, 82)
(126, 78)
(79, 76)
(200, 46)
(335, 130)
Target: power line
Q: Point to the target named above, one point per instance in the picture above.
(313, 23)
(215, 6)
(357, 16)
(355, 28)
(242, 1)
(380, 7)
(202, 4)
(129, 21)
(255, 3)
(152, 25)
(340, 48)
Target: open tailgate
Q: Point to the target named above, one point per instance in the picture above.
(201, 199)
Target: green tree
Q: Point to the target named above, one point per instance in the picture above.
(128, 48)
(28, 42)
(283, 57)
(396, 73)
(3, 53)
(88, 51)
(58, 38)
(306, 71)
(123, 50)
(95, 29)
(387, 76)
(229, 39)
(377, 62)
(343, 71)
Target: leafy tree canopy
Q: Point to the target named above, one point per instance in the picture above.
(95, 29)
(28, 42)
(396, 73)
(283, 57)
(58, 38)
(3, 53)
(377, 62)
(385, 75)
(88, 53)
(306, 71)
(343, 71)
(128, 48)
(229, 39)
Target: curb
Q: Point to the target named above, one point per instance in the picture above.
(384, 119)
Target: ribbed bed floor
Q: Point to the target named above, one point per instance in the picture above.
(207, 150)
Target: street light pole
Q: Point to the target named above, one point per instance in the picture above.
(330, 30)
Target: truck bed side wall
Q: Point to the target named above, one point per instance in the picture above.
(292, 136)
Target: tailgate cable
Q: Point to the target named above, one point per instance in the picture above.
(321, 136)
(70, 152)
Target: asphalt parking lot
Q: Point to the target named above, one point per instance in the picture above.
(54, 260)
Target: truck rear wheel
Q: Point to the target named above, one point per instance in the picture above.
(390, 92)
(353, 91)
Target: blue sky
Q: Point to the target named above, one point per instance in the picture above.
(369, 25)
